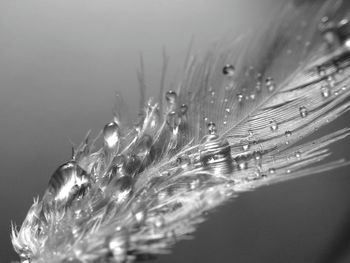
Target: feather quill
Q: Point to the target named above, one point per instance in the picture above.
(235, 122)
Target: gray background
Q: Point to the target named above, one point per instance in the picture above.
(61, 62)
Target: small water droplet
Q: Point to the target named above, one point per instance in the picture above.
(120, 188)
(173, 119)
(252, 96)
(270, 84)
(243, 165)
(272, 170)
(171, 97)
(245, 145)
(228, 70)
(111, 134)
(250, 132)
(195, 183)
(325, 91)
(321, 71)
(211, 128)
(288, 133)
(183, 109)
(273, 126)
(68, 182)
(159, 222)
(298, 154)
(183, 160)
(303, 111)
(258, 86)
(139, 216)
(240, 97)
(228, 110)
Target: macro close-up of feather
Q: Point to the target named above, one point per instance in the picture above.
(175, 131)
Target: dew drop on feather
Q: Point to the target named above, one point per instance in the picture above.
(171, 97)
(183, 109)
(288, 133)
(325, 91)
(272, 170)
(303, 111)
(273, 126)
(111, 134)
(270, 84)
(69, 181)
(228, 70)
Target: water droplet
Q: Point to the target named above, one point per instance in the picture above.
(258, 86)
(173, 120)
(118, 246)
(250, 132)
(228, 70)
(273, 126)
(228, 110)
(111, 134)
(288, 133)
(321, 71)
(68, 182)
(252, 96)
(144, 147)
(139, 216)
(195, 183)
(120, 188)
(243, 165)
(298, 154)
(270, 84)
(211, 128)
(240, 97)
(303, 111)
(183, 109)
(183, 160)
(325, 91)
(245, 145)
(159, 222)
(272, 170)
(165, 173)
(171, 97)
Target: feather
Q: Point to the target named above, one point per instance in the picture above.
(238, 119)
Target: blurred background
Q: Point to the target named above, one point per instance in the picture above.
(60, 65)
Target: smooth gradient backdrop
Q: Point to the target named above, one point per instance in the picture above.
(61, 62)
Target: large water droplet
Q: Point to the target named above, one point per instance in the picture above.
(228, 70)
(111, 134)
(68, 182)
(303, 111)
